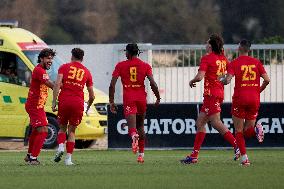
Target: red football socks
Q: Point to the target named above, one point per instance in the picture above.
(132, 131)
(61, 138)
(31, 140)
(228, 136)
(141, 145)
(241, 142)
(38, 143)
(199, 138)
(249, 132)
(70, 147)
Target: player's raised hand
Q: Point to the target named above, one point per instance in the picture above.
(113, 108)
(54, 106)
(192, 84)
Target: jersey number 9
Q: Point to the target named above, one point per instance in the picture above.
(76, 73)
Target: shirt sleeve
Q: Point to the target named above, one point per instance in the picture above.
(149, 70)
(203, 64)
(89, 81)
(261, 68)
(230, 68)
(41, 75)
(61, 69)
(116, 72)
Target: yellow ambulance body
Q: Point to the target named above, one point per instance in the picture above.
(19, 50)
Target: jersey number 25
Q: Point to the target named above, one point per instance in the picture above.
(248, 73)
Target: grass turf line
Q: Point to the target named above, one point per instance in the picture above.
(119, 169)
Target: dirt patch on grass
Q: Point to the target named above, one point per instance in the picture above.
(19, 145)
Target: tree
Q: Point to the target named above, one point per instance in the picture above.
(85, 21)
(252, 19)
(29, 13)
(100, 21)
(167, 21)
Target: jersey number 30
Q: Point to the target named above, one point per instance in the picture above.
(76, 73)
(133, 74)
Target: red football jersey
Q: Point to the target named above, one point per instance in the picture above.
(38, 91)
(214, 65)
(133, 73)
(75, 77)
(247, 72)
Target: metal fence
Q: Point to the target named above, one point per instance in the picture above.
(175, 65)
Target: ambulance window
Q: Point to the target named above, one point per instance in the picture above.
(13, 70)
(23, 72)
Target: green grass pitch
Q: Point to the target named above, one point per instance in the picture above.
(118, 169)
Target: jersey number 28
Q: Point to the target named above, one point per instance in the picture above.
(221, 67)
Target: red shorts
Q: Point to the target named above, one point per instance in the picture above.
(70, 113)
(211, 105)
(134, 107)
(245, 111)
(37, 117)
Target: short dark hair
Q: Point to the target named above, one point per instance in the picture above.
(132, 49)
(78, 53)
(45, 53)
(216, 42)
(245, 45)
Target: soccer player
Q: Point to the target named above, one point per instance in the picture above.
(133, 73)
(37, 96)
(246, 98)
(212, 66)
(72, 78)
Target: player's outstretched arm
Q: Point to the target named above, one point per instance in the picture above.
(226, 79)
(266, 81)
(91, 97)
(111, 94)
(154, 88)
(199, 76)
(50, 84)
(56, 88)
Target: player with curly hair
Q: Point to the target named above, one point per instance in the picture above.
(36, 100)
(213, 65)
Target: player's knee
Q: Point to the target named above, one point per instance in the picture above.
(238, 129)
(71, 129)
(42, 129)
(63, 128)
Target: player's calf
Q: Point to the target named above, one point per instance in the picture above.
(259, 132)
(135, 147)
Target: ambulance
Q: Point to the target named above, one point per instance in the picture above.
(19, 51)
